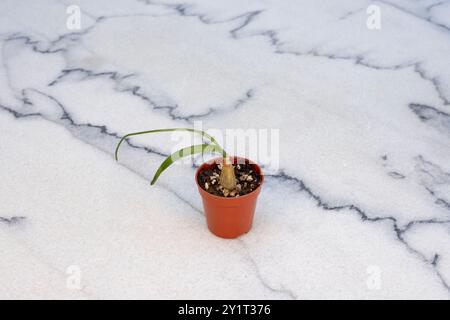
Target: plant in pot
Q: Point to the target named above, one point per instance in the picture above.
(228, 185)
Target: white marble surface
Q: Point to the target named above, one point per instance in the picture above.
(363, 188)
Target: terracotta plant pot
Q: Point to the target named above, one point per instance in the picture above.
(229, 217)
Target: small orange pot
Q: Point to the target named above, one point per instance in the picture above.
(229, 217)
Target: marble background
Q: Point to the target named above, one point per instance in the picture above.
(359, 207)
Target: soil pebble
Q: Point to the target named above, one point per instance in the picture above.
(247, 180)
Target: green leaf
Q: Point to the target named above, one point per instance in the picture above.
(203, 133)
(199, 148)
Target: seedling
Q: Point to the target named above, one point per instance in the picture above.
(227, 176)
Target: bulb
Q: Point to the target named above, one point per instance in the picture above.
(227, 176)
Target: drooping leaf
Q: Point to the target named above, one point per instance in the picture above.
(199, 148)
(203, 133)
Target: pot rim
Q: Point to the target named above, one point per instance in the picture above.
(229, 198)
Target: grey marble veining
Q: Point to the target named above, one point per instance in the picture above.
(359, 208)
